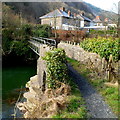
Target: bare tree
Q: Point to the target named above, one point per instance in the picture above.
(116, 8)
(119, 18)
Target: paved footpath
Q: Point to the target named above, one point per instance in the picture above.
(95, 104)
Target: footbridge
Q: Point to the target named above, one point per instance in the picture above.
(40, 46)
(35, 43)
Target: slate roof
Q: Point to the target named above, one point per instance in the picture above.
(87, 19)
(60, 13)
(56, 13)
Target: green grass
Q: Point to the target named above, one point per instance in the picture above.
(79, 67)
(110, 94)
(75, 105)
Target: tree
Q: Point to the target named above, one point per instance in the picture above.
(119, 18)
(116, 8)
(13, 32)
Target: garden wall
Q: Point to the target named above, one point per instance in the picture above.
(92, 60)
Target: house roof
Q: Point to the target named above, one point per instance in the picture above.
(97, 19)
(61, 13)
(80, 17)
(87, 19)
(56, 13)
(108, 21)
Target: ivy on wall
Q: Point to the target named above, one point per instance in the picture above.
(56, 68)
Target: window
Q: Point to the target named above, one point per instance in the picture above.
(51, 23)
(57, 27)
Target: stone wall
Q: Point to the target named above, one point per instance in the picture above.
(36, 86)
(92, 60)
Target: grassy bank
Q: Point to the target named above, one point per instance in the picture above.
(110, 94)
(75, 105)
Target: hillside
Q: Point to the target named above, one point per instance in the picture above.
(33, 10)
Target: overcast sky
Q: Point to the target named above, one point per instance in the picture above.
(105, 4)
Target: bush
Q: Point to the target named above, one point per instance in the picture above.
(27, 30)
(20, 48)
(56, 68)
(6, 40)
(102, 46)
(42, 31)
(111, 32)
(16, 40)
(70, 35)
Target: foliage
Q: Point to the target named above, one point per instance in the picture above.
(20, 47)
(10, 19)
(110, 32)
(57, 72)
(15, 40)
(56, 68)
(8, 16)
(6, 40)
(27, 30)
(76, 105)
(70, 35)
(42, 31)
(102, 46)
(14, 34)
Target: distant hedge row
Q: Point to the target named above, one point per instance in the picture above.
(103, 46)
(101, 32)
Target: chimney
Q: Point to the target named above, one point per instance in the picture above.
(62, 8)
(97, 17)
(69, 13)
(82, 13)
(75, 15)
(106, 20)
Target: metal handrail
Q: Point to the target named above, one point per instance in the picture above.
(35, 43)
(47, 41)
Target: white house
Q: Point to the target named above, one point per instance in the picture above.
(60, 19)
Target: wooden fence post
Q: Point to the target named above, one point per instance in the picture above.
(110, 66)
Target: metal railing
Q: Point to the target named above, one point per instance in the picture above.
(35, 43)
(47, 41)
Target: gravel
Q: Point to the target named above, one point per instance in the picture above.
(96, 106)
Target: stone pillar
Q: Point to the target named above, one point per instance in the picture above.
(41, 65)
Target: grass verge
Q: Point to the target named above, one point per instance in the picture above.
(75, 107)
(110, 94)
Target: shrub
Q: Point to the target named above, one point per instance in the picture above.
(15, 40)
(56, 68)
(27, 30)
(70, 35)
(6, 39)
(42, 31)
(111, 32)
(102, 46)
(20, 47)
